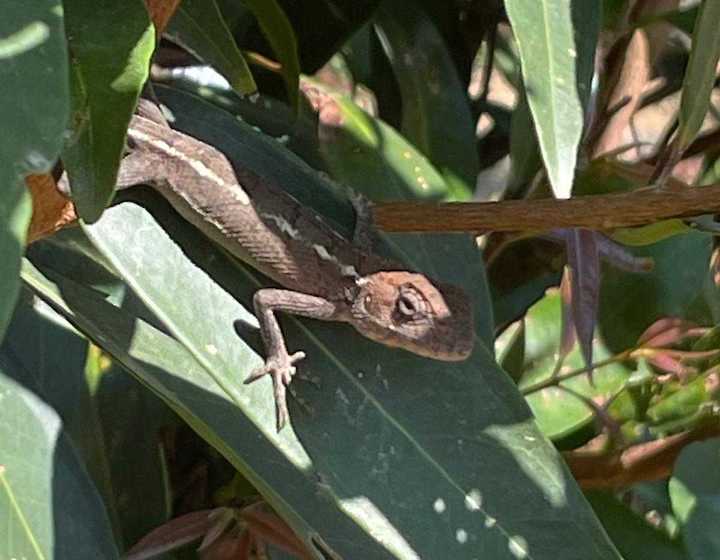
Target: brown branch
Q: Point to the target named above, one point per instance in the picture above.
(599, 212)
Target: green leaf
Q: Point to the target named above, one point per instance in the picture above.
(199, 26)
(33, 70)
(279, 32)
(557, 49)
(630, 302)
(436, 114)
(48, 504)
(110, 66)
(634, 536)
(370, 156)
(15, 211)
(112, 420)
(558, 412)
(381, 416)
(700, 74)
(695, 494)
(367, 432)
(651, 233)
(679, 405)
(525, 159)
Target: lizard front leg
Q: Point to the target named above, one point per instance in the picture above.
(279, 363)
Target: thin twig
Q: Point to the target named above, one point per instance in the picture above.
(556, 379)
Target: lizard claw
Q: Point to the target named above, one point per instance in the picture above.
(281, 369)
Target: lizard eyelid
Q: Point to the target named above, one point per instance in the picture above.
(410, 303)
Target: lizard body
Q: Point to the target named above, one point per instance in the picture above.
(323, 275)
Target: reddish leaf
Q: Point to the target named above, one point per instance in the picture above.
(266, 526)
(715, 266)
(668, 331)
(631, 77)
(231, 546)
(670, 364)
(172, 535)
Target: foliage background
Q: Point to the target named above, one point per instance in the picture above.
(120, 401)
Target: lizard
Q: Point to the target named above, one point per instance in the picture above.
(321, 274)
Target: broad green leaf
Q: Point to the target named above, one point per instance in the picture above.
(525, 158)
(371, 471)
(367, 432)
(111, 419)
(25, 494)
(557, 41)
(199, 26)
(279, 33)
(110, 63)
(436, 114)
(131, 417)
(631, 302)
(634, 536)
(370, 156)
(34, 108)
(700, 74)
(48, 505)
(695, 495)
(558, 412)
(15, 211)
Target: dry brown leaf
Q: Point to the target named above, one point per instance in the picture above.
(632, 79)
(51, 210)
(160, 13)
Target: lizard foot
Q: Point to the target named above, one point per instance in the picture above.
(281, 369)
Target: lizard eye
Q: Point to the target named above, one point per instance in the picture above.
(409, 302)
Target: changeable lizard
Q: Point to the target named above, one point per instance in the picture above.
(322, 274)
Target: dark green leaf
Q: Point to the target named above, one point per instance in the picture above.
(110, 64)
(15, 211)
(633, 536)
(33, 112)
(557, 49)
(631, 302)
(48, 504)
(112, 420)
(199, 26)
(436, 113)
(367, 432)
(695, 495)
(558, 412)
(279, 32)
(700, 74)
(380, 415)
(525, 160)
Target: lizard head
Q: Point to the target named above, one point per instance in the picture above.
(409, 311)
